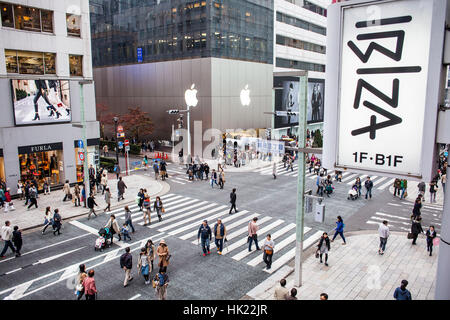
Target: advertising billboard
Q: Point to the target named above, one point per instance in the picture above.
(316, 94)
(38, 102)
(383, 75)
(287, 100)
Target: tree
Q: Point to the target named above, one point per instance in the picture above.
(104, 117)
(317, 139)
(137, 123)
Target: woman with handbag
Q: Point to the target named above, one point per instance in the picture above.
(144, 265)
(150, 250)
(147, 209)
(113, 227)
(268, 247)
(48, 220)
(158, 207)
(324, 247)
(80, 279)
(164, 256)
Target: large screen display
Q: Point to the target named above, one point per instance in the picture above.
(39, 102)
(286, 99)
(316, 93)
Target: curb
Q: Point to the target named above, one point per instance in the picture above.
(164, 188)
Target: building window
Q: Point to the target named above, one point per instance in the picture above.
(281, 17)
(29, 62)
(7, 15)
(26, 18)
(73, 25)
(314, 8)
(42, 166)
(76, 65)
(47, 21)
(299, 44)
(11, 61)
(300, 65)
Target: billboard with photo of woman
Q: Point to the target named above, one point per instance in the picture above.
(316, 92)
(40, 101)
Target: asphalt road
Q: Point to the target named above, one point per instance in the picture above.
(48, 265)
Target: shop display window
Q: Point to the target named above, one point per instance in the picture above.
(47, 21)
(27, 18)
(2, 169)
(90, 158)
(7, 15)
(76, 65)
(73, 25)
(43, 166)
(11, 61)
(30, 62)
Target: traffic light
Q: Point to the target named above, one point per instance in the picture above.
(173, 111)
(180, 122)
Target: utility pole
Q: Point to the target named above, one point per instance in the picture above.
(116, 139)
(301, 179)
(189, 131)
(87, 185)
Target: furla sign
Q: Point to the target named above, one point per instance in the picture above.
(383, 74)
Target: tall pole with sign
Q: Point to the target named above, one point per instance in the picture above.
(127, 148)
(300, 180)
(87, 185)
(117, 139)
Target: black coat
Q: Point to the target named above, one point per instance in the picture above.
(416, 209)
(91, 202)
(126, 260)
(430, 236)
(17, 238)
(416, 227)
(233, 198)
(327, 242)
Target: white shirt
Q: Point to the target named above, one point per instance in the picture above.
(6, 233)
(383, 231)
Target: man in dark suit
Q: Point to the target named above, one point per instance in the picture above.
(233, 200)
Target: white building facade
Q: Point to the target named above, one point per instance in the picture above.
(299, 42)
(45, 51)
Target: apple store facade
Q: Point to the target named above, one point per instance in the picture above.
(149, 53)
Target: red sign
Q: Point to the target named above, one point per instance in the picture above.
(127, 142)
(119, 129)
(81, 156)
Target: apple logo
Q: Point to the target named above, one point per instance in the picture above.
(190, 96)
(245, 96)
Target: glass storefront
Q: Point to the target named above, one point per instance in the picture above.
(42, 162)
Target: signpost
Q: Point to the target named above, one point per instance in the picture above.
(127, 148)
(81, 156)
(139, 55)
(383, 78)
(385, 74)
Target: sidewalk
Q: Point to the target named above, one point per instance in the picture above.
(35, 217)
(413, 191)
(357, 272)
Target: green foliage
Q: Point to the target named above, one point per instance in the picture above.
(20, 94)
(318, 142)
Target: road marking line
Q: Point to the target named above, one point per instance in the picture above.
(193, 225)
(291, 254)
(276, 234)
(360, 178)
(45, 260)
(203, 205)
(12, 271)
(84, 227)
(135, 297)
(380, 181)
(350, 177)
(49, 246)
(139, 215)
(387, 184)
(18, 291)
(230, 236)
(177, 181)
(241, 242)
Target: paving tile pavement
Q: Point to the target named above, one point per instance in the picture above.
(26, 219)
(357, 272)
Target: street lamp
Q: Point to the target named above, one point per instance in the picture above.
(116, 139)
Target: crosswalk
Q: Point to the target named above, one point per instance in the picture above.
(183, 216)
(400, 221)
(379, 183)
